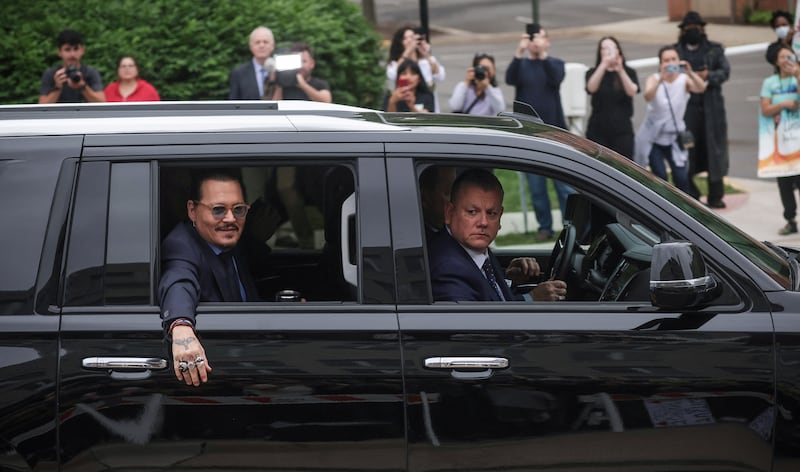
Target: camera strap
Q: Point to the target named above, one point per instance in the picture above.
(474, 102)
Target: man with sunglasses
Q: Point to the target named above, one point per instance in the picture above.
(201, 263)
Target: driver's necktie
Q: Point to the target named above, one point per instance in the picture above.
(489, 271)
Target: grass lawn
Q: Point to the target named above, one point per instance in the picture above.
(511, 186)
(511, 203)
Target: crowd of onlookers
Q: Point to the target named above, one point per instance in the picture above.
(685, 126)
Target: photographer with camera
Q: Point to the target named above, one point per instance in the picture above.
(478, 94)
(71, 82)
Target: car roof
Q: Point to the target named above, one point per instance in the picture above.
(222, 116)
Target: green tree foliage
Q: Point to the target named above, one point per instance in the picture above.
(188, 48)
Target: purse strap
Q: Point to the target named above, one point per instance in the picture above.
(669, 102)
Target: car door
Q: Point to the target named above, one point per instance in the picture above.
(304, 385)
(36, 177)
(581, 384)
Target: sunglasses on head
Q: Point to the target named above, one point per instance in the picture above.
(219, 211)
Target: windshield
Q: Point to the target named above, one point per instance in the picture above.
(758, 253)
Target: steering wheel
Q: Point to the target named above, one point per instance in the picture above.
(562, 253)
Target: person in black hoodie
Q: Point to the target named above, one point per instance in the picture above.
(710, 152)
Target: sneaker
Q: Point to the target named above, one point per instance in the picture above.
(718, 204)
(543, 235)
(790, 228)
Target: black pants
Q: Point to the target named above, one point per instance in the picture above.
(698, 156)
(786, 187)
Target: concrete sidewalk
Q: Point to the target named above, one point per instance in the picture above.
(654, 30)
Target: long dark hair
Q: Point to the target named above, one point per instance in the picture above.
(422, 86)
(396, 49)
(598, 55)
(477, 60)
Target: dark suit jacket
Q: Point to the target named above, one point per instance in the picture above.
(192, 273)
(243, 83)
(455, 277)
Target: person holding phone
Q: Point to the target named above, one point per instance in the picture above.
(411, 93)
(667, 94)
(612, 85)
(409, 43)
(536, 77)
(705, 114)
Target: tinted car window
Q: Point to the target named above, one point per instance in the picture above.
(130, 239)
(28, 172)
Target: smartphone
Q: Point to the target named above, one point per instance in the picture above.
(532, 28)
(423, 35)
(402, 82)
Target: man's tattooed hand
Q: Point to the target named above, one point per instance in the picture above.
(185, 342)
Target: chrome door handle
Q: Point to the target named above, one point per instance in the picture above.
(124, 363)
(466, 363)
(463, 368)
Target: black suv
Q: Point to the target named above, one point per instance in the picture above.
(677, 348)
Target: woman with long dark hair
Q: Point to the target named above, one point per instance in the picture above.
(410, 44)
(612, 85)
(411, 93)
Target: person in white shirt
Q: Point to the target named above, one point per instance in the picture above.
(478, 93)
(410, 44)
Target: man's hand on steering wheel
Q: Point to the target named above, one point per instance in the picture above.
(550, 291)
(522, 269)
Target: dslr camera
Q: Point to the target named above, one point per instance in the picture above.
(74, 74)
(480, 72)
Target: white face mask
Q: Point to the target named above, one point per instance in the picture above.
(782, 31)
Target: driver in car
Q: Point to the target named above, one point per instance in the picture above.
(463, 267)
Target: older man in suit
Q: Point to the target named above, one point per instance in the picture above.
(201, 262)
(463, 267)
(255, 80)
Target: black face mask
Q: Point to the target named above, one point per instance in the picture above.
(692, 36)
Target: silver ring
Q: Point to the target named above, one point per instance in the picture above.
(191, 364)
(199, 360)
(560, 297)
(183, 366)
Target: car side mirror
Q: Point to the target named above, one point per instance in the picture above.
(678, 277)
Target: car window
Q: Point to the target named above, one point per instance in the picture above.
(601, 251)
(299, 233)
(109, 256)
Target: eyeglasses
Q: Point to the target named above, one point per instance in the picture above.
(219, 211)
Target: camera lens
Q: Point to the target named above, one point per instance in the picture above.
(72, 73)
(480, 72)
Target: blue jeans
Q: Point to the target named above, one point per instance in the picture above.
(541, 201)
(659, 154)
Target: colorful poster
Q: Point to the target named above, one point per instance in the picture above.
(779, 135)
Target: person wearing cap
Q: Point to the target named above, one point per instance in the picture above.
(705, 114)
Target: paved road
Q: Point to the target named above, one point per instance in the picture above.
(500, 16)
